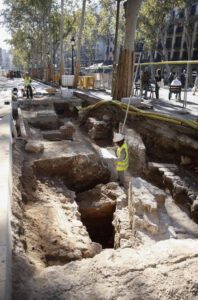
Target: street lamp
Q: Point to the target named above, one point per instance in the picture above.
(72, 44)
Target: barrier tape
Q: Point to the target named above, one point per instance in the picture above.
(179, 62)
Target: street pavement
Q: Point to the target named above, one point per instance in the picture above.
(175, 107)
(162, 105)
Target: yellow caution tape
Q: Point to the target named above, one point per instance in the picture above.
(179, 62)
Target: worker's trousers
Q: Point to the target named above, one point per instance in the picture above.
(29, 92)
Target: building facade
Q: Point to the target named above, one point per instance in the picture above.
(176, 34)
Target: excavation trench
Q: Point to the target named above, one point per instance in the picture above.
(100, 229)
(69, 205)
(58, 227)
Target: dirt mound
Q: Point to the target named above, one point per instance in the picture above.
(159, 272)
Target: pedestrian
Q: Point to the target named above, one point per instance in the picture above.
(14, 94)
(28, 87)
(170, 78)
(122, 160)
(194, 75)
(195, 87)
(158, 79)
(145, 81)
(183, 78)
(176, 82)
(177, 91)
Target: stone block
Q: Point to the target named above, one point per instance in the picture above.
(34, 147)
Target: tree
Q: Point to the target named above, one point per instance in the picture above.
(61, 39)
(35, 27)
(114, 72)
(77, 69)
(28, 23)
(126, 60)
(154, 19)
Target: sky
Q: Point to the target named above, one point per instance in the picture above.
(3, 33)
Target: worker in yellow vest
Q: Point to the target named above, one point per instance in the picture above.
(122, 161)
(28, 87)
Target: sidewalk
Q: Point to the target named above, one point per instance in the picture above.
(6, 194)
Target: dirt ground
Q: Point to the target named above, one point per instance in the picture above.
(53, 254)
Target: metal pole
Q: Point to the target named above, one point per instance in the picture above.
(140, 82)
(186, 87)
(72, 60)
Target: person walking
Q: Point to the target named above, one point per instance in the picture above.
(170, 78)
(28, 87)
(195, 87)
(183, 78)
(145, 81)
(194, 75)
(158, 79)
(122, 155)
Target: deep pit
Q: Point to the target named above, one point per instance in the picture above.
(100, 230)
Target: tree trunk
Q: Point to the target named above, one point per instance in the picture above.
(114, 73)
(61, 40)
(77, 69)
(124, 74)
(164, 49)
(125, 70)
(152, 66)
(188, 33)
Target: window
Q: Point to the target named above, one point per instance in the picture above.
(181, 14)
(170, 29)
(176, 55)
(179, 29)
(195, 55)
(196, 44)
(169, 43)
(177, 44)
(193, 9)
(185, 55)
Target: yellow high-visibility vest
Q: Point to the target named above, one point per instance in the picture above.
(122, 165)
(27, 80)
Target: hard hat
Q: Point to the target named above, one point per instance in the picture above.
(118, 137)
